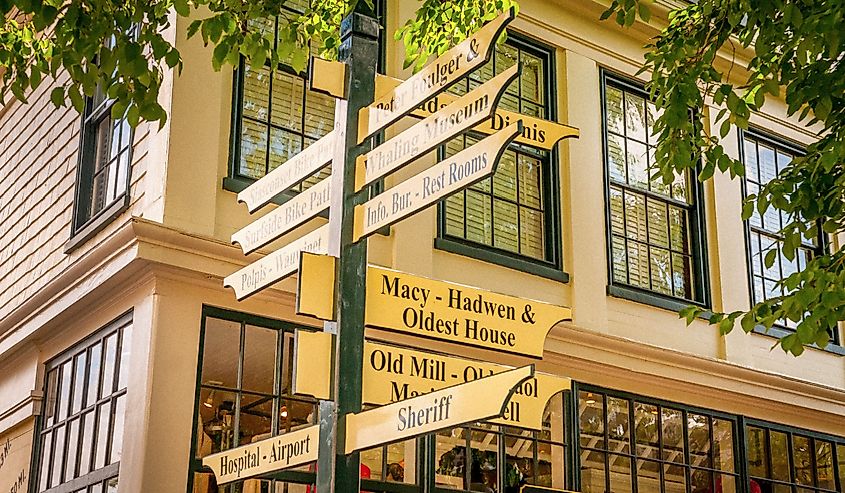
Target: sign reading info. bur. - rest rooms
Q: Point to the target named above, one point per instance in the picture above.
(455, 313)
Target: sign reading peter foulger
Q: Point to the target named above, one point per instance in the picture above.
(434, 78)
(393, 374)
(453, 406)
(441, 180)
(464, 113)
(273, 454)
(455, 313)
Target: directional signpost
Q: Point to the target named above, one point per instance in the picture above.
(418, 392)
(447, 408)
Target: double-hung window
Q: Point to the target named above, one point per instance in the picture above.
(80, 438)
(103, 170)
(764, 158)
(655, 230)
(510, 218)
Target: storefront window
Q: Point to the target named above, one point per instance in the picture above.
(780, 459)
(245, 393)
(655, 446)
(493, 459)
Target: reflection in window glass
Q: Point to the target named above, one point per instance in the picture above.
(651, 223)
(780, 460)
(508, 211)
(83, 431)
(492, 458)
(660, 460)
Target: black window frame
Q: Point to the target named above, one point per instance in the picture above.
(777, 142)
(737, 442)
(697, 217)
(110, 471)
(552, 267)
(83, 225)
(790, 431)
(235, 182)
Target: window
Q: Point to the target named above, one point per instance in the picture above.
(103, 170)
(655, 231)
(244, 390)
(512, 214)
(81, 428)
(632, 444)
(486, 457)
(780, 459)
(764, 158)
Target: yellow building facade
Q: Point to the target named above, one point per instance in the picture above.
(124, 360)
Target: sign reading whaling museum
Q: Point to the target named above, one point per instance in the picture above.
(277, 265)
(434, 78)
(293, 171)
(452, 312)
(272, 454)
(437, 182)
(393, 374)
(453, 406)
(463, 113)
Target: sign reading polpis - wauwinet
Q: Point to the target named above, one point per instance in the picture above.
(455, 313)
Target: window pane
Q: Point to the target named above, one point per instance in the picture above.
(110, 354)
(72, 450)
(802, 455)
(256, 99)
(698, 431)
(288, 94)
(613, 104)
(533, 235)
(617, 425)
(253, 150)
(117, 429)
(645, 419)
(635, 117)
(824, 465)
(373, 460)
(103, 433)
(93, 374)
(504, 181)
(51, 397)
(673, 435)
(591, 409)
(620, 474)
(479, 217)
(319, 114)
(757, 452)
(78, 382)
(780, 455)
(450, 459)
(125, 351)
(59, 448)
(221, 353)
(86, 442)
(259, 367)
(505, 234)
(454, 206)
(723, 452)
(283, 146)
(593, 478)
(46, 450)
(64, 390)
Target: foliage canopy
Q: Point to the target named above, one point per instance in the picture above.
(797, 54)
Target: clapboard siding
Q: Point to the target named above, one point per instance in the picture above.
(38, 160)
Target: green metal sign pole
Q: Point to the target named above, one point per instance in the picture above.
(336, 471)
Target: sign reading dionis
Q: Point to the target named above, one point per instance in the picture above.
(536, 132)
(393, 374)
(288, 174)
(434, 78)
(455, 313)
(464, 113)
(453, 406)
(424, 189)
(273, 454)
(277, 265)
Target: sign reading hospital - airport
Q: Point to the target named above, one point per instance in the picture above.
(464, 113)
(393, 374)
(453, 406)
(437, 182)
(434, 78)
(288, 174)
(452, 312)
(272, 454)
(277, 265)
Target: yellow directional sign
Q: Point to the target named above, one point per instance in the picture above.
(393, 374)
(426, 188)
(453, 406)
(273, 454)
(277, 265)
(312, 368)
(434, 78)
(536, 132)
(315, 286)
(285, 218)
(455, 313)
(293, 171)
(464, 113)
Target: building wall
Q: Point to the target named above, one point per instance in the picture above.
(166, 256)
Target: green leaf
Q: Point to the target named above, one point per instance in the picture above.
(645, 12)
(182, 7)
(57, 96)
(770, 258)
